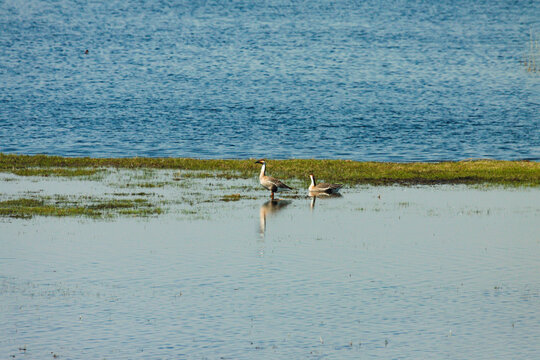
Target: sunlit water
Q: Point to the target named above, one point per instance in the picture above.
(381, 272)
(370, 80)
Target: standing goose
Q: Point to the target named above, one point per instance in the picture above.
(323, 187)
(268, 182)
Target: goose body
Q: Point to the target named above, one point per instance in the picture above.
(323, 187)
(270, 183)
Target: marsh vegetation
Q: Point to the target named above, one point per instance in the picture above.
(60, 206)
(143, 187)
(531, 60)
(513, 173)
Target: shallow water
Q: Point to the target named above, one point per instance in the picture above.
(371, 80)
(381, 272)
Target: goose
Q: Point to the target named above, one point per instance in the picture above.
(323, 187)
(270, 183)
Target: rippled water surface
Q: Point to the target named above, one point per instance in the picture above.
(370, 80)
(381, 272)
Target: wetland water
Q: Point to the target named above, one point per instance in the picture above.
(381, 272)
(386, 80)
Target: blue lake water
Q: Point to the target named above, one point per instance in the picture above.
(370, 80)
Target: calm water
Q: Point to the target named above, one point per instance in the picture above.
(369, 80)
(382, 272)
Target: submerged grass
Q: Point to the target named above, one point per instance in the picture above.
(531, 60)
(61, 206)
(67, 172)
(512, 173)
(27, 208)
(235, 197)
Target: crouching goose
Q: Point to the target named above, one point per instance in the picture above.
(323, 187)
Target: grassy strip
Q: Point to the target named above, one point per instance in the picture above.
(26, 208)
(235, 197)
(515, 173)
(67, 172)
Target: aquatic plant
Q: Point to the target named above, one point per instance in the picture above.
(27, 208)
(235, 197)
(231, 197)
(67, 172)
(61, 206)
(512, 173)
(532, 58)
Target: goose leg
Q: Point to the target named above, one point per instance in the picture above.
(272, 196)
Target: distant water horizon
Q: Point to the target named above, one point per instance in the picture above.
(367, 81)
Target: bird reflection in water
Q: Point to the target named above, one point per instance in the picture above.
(269, 208)
(321, 195)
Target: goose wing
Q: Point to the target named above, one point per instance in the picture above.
(326, 187)
(271, 181)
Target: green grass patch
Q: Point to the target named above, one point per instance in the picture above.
(63, 206)
(235, 197)
(150, 184)
(141, 193)
(67, 172)
(512, 173)
(27, 208)
(231, 197)
(189, 212)
(142, 212)
(118, 204)
(146, 184)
